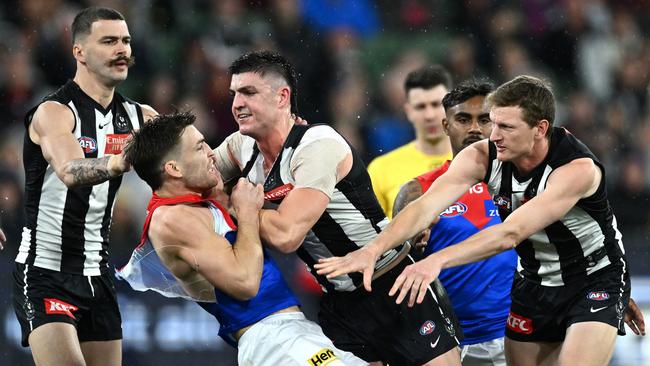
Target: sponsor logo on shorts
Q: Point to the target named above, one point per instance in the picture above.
(88, 144)
(519, 324)
(620, 309)
(450, 327)
(458, 208)
(56, 306)
(279, 192)
(427, 328)
(323, 357)
(28, 308)
(598, 296)
(598, 309)
(435, 344)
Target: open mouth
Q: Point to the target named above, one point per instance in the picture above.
(243, 116)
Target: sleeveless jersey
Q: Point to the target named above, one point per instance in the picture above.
(67, 229)
(145, 271)
(352, 218)
(585, 240)
(480, 291)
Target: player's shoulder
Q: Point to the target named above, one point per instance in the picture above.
(175, 219)
(52, 110)
(320, 132)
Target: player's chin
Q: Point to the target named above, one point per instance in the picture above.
(118, 77)
(504, 155)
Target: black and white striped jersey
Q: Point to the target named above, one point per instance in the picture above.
(585, 240)
(67, 229)
(352, 218)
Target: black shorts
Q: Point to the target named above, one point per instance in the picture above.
(373, 327)
(543, 313)
(42, 296)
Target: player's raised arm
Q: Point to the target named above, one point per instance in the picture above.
(51, 128)
(466, 169)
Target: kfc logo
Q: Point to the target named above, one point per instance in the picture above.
(519, 324)
(56, 306)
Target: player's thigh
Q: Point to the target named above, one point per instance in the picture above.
(531, 353)
(588, 343)
(490, 353)
(102, 353)
(56, 344)
(449, 358)
(290, 339)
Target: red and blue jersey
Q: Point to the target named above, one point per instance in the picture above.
(146, 271)
(479, 292)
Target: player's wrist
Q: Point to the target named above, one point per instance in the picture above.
(114, 165)
(249, 214)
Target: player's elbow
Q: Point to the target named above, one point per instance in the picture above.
(68, 179)
(287, 242)
(247, 289)
(511, 236)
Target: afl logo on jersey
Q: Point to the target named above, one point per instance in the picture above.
(88, 144)
(456, 209)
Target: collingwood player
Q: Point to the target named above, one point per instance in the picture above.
(326, 207)
(572, 285)
(64, 295)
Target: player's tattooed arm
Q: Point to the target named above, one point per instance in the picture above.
(409, 192)
(91, 171)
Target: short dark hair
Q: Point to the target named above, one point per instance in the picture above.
(467, 90)
(427, 77)
(533, 95)
(153, 142)
(85, 19)
(263, 62)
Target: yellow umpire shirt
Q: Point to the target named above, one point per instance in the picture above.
(390, 171)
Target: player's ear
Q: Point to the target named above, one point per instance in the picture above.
(542, 128)
(285, 96)
(78, 52)
(172, 168)
(445, 126)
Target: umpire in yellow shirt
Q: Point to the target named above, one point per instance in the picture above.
(425, 88)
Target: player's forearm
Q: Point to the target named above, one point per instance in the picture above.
(248, 253)
(281, 233)
(89, 171)
(484, 244)
(414, 218)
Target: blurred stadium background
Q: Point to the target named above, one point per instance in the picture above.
(352, 57)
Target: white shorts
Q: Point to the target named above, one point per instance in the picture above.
(290, 339)
(490, 353)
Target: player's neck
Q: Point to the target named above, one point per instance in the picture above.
(95, 89)
(528, 162)
(271, 144)
(439, 146)
(173, 189)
